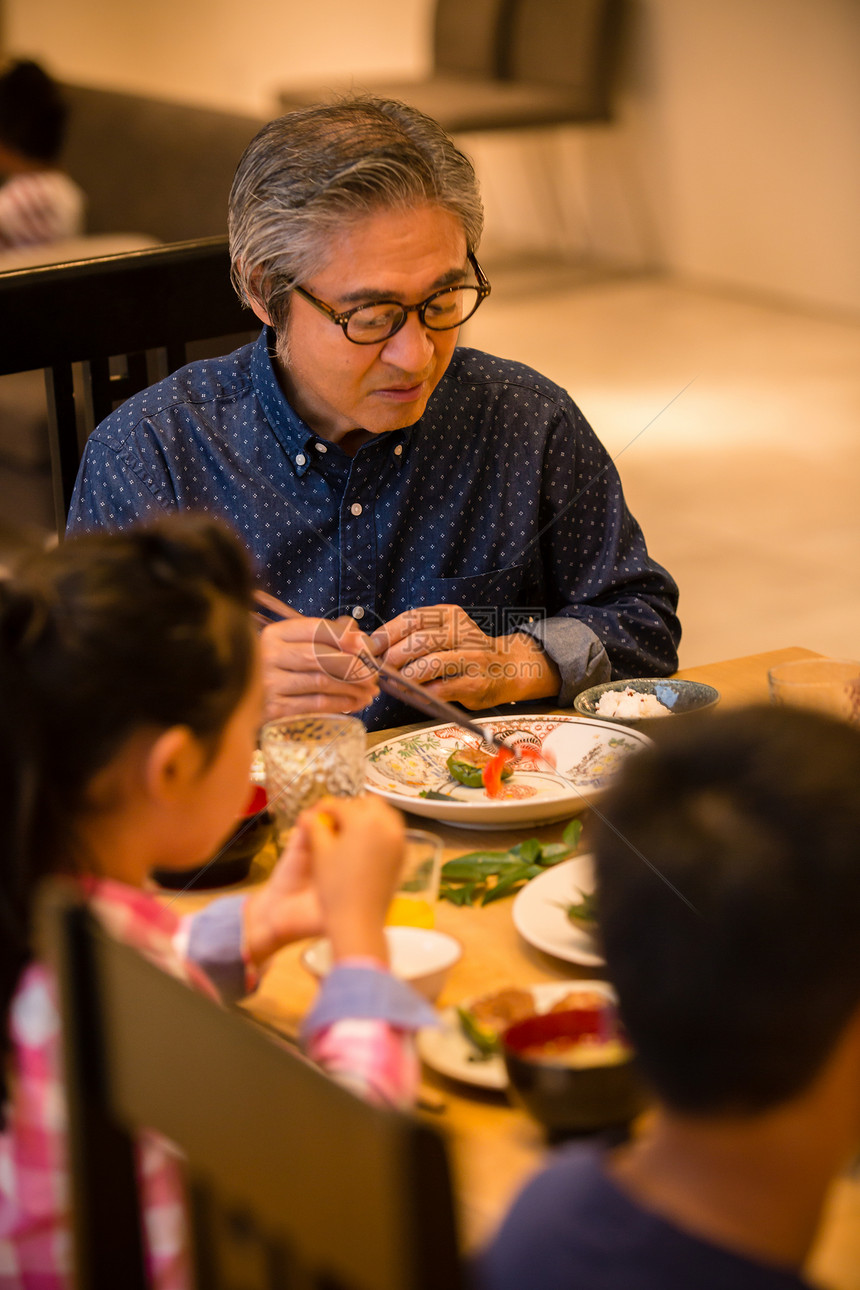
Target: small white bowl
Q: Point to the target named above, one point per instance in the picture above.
(419, 955)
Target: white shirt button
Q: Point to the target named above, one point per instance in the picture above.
(300, 458)
(356, 508)
(357, 611)
(320, 447)
(398, 450)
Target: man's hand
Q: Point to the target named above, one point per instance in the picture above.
(309, 665)
(444, 649)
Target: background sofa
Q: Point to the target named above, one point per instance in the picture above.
(153, 171)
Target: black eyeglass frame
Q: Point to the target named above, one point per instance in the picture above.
(483, 289)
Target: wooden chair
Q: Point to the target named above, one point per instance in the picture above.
(506, 65)
(293, 1181)
(107, 327)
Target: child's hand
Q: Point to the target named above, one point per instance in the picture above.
(286, 908)
(356, 845)
(336, 876)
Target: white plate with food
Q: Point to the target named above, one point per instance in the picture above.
(447, 1050)
(578, 758)
(540, 912)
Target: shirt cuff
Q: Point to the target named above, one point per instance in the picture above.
(215, 944)
(367, 993)
(577, 652)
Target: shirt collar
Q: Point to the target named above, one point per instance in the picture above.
(302, 445)
(293, 434)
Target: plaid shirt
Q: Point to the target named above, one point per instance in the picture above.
(373, 1055)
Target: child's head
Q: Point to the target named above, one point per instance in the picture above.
(729, 897)
(108, 638)
(32, 113)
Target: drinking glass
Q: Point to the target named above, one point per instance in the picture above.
(828, 685)
(307, 758)
(414, 902)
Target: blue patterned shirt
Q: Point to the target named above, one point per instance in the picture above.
(500, 499)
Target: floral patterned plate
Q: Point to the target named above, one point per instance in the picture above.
(587, 754)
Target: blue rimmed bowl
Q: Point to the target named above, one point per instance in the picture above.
(682, 698)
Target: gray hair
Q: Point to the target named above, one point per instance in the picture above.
(309, 174)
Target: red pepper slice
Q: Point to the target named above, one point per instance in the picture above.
(492, 772)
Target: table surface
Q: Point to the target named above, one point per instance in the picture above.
(493, 1146)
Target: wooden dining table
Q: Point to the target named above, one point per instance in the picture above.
(494, 1146)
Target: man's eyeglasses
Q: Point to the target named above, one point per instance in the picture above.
(369, 324)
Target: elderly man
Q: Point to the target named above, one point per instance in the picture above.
(455, 506)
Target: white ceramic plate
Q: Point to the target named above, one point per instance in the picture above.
(587, 755)
(446, 1049)
(539, 917)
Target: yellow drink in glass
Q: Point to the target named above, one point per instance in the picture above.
(410, 911)
(414, 901)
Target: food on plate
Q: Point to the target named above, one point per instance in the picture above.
(580, 999)
(583, 912)
(630, 704)
(484, 1020)
(494, 771)
(503, 1007)
(467, 766)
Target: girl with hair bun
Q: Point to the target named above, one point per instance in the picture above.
(130, 698)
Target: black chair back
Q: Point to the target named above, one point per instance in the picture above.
(293, 1181)
(105, 328)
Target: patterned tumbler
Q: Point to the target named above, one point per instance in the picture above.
(307, 758)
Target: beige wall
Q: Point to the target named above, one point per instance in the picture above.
(219, 52)
(753, 110)
(736, 160)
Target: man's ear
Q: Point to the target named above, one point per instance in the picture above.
(260, 312)
(253, 298)
(173, 762)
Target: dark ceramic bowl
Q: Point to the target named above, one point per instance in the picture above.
(568, 1099)
(232, 863)
(681, 697)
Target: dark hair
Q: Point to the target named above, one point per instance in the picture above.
(728, 878)
(307, 175)
(104, 635)
(33, 112)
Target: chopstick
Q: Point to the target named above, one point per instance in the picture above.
(400, 687)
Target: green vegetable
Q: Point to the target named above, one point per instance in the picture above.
(486, 1041)
(583, 912)
(435, 796)
(510, 880)
(492, 875)
(480, 864)
(570, 837)
(528, 851)
(461, 895)
(467, 766)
